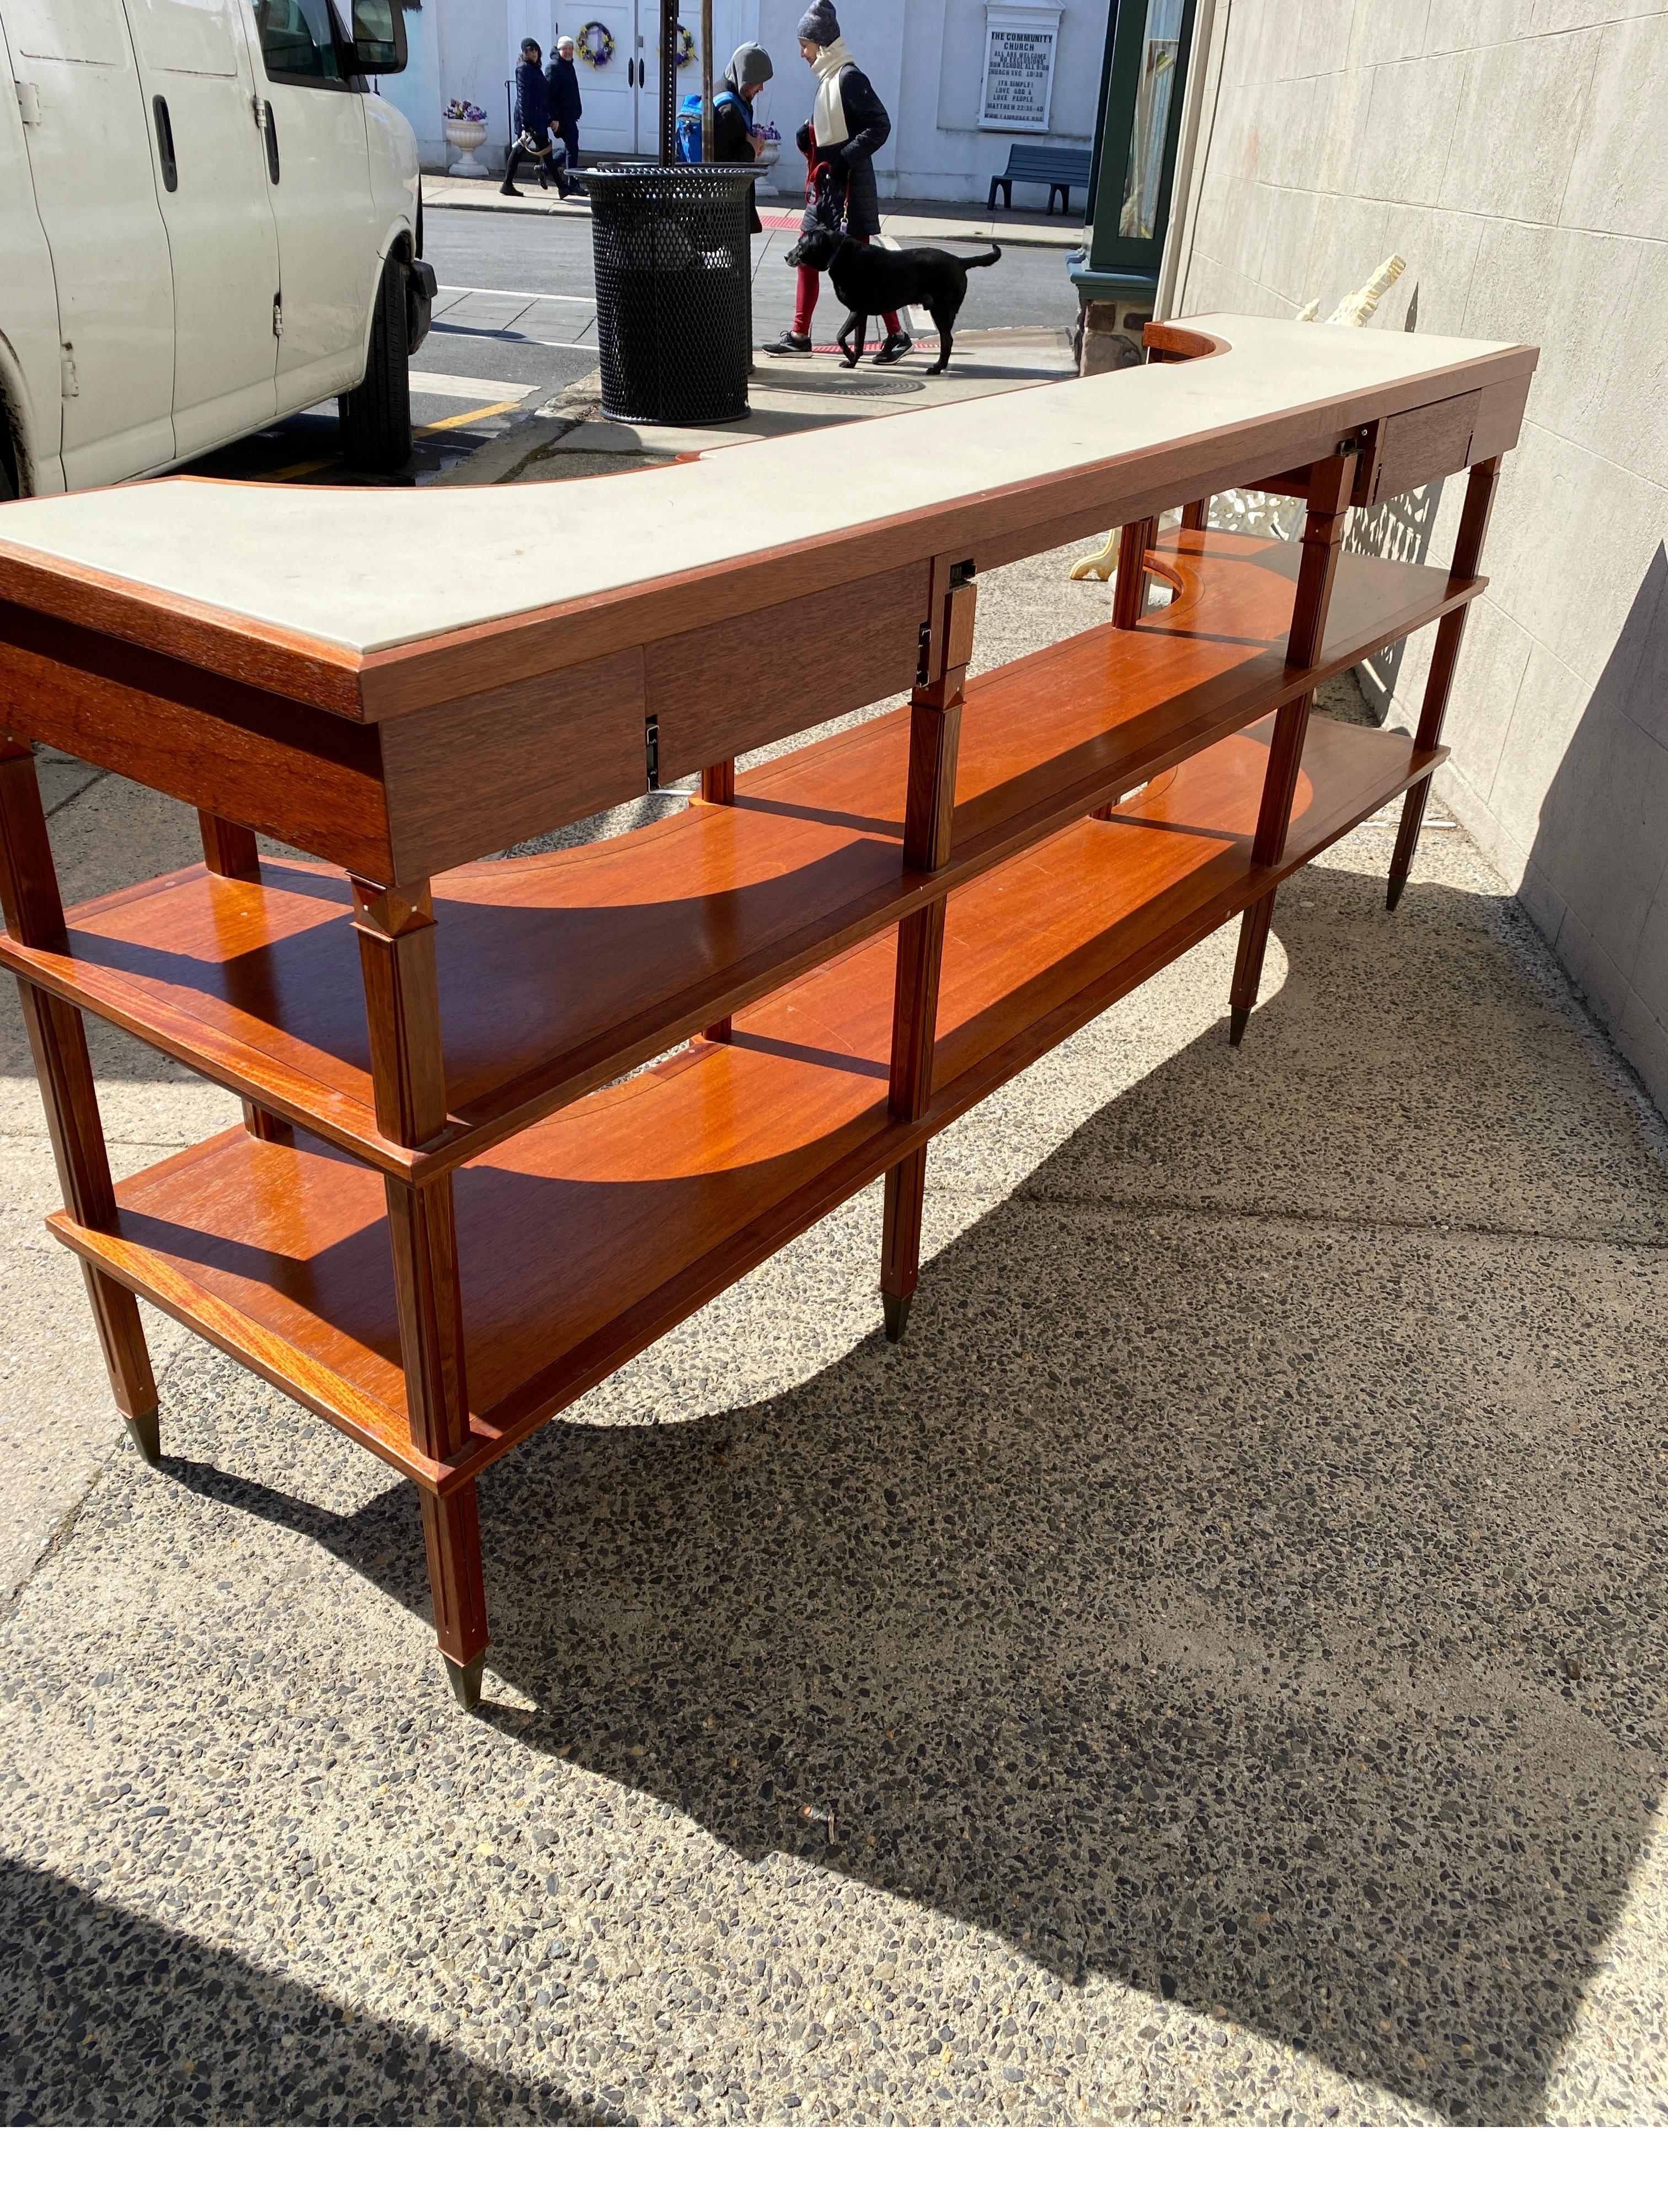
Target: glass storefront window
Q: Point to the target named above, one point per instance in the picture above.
(1157, 89)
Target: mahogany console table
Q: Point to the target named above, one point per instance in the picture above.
(443, 1218)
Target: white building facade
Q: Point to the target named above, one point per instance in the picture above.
(962, 79)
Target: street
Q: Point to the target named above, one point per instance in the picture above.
(515, 324)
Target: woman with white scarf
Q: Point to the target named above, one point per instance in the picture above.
(847, 127)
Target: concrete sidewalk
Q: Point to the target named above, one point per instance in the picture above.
(570, 436)
(1213, 1670)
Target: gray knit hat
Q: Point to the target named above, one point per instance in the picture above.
(820, 24)
(750, 64)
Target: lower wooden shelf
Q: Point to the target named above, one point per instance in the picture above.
(587, 1236)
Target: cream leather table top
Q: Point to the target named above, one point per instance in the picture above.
(366, 570)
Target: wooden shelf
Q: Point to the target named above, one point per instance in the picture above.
(561, 972)
(586, 1237)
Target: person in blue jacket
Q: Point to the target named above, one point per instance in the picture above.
(533, 124)
(566, 105)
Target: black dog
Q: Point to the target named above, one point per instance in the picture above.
(871, 281)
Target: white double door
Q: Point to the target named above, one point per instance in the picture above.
(622, 94)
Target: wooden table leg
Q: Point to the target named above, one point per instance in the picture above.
(900, 1240)
(1439, 683)
(407, 1079)
(914, 1019)
(1129, 595)
(58, 1041)
(935, 737)
(718, 788)
(1330, 484)
(451, 1536)
(230, 850)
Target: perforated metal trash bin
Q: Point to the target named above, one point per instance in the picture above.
(674, 292)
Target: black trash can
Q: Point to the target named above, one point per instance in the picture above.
(674, 292)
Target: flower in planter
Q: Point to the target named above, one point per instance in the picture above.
(463, 110)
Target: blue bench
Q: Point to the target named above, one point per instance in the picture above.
(1059, 168)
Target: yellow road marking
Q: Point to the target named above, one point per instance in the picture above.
(423, 429)
(456, 422)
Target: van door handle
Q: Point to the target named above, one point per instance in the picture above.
(272, 129)
(29, 102)
(165, 145)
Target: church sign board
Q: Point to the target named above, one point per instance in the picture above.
(1018, 89)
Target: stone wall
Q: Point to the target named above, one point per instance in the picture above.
(1515, 153)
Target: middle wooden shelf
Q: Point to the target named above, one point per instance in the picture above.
(587, 1238)
(562, 971)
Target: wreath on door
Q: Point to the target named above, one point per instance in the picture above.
(686, 47)
(595, 45)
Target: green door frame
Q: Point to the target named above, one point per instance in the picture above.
(1110, 266)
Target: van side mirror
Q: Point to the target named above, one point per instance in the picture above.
(375, 41)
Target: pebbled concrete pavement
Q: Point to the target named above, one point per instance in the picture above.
(1213, 1670)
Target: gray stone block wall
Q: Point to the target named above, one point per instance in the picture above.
(1516, 154)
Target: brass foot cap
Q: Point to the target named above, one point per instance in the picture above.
(896, 1310)
(465, 1682)
(146, 1430)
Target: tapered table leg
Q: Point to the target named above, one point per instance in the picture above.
(451, 1535)
(1407, 842)
(1330, 485)
(58, 1042)
(900, 1240)
(230, 850)
(1254, 925)
(718, 788)
(1129, 593)
(935, 737)
(408, 1080)
(1480, 487)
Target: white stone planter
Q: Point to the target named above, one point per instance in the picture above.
(467, 138)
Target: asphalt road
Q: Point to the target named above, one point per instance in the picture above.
(515, 324)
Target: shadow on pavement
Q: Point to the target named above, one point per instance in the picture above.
(108, 2019)
(1263, 1608)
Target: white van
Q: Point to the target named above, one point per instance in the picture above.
(206, 222)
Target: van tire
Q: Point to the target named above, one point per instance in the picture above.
(376, 415)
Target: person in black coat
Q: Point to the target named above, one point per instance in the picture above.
(532, 123)
(562, 80)
(734, 138)
(849, 126)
